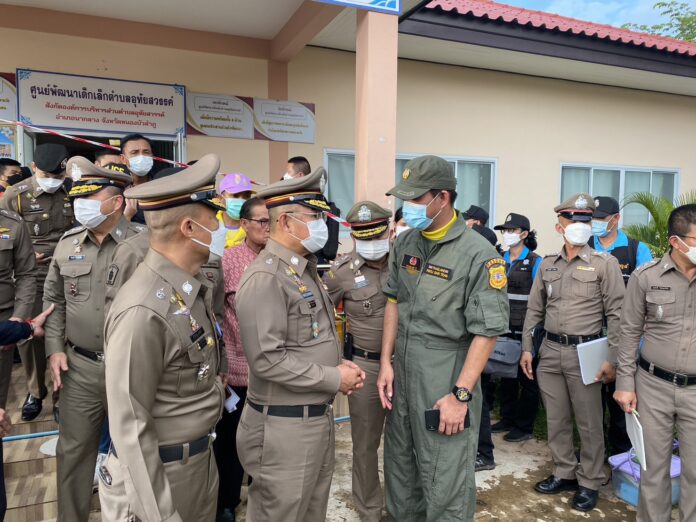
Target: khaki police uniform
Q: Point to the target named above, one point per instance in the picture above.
(162, 366)
(285, 438)
(48, 216)
(17, 284)
(573, 297)
(357, 284)
(75, 284)
(660, 305)
(448, 291)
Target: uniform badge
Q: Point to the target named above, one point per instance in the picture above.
(160, 294)
(203, 371)
(111, 275)
(75, 241)
(119, 232)
(187, 288)
(525, 262)
(550, 290)
(78, 249)
(364, 214)
(581, 203)
(497, 276)
(412, 264)
(405, 174)
(294, 260)
(73, 289)
(269, 261)
(211, 275)
(660, 313)
(315, 329)
(36, 229)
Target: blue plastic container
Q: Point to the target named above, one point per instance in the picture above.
(625, 477)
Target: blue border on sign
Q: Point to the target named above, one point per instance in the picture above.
(396, 10)
(175, 86)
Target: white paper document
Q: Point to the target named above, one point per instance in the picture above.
(592, 355)
(635, 433)
(231, 401)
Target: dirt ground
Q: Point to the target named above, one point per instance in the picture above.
(505, 493)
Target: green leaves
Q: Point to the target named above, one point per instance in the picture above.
(681, 21)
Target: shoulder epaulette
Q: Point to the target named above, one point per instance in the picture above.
(648, 264)
(73, 231)
(554, 254)
(12, 215)
(605, 255)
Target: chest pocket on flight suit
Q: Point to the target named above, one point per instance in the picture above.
(306, 323)
(76, 281)
(661, 305)
(585, 283)
(361, 301)
(39, 223)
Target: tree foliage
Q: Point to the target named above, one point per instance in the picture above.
(680, 24)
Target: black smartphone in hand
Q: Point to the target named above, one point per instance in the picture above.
(432, 420)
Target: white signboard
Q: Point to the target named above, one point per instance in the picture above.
(387, 6)
(8, 100)
(284, 120)
(220, 115)
(85, 103)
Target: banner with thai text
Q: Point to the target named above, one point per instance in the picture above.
(86, 103)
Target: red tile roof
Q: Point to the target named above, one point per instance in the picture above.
(553, 22)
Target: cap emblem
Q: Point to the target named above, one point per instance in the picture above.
(364, 214)
(322, 183)
(405, 175)
(581, 203)
(508, 218)
(75, 172)
(596, 202)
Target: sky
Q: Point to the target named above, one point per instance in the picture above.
(612, 12)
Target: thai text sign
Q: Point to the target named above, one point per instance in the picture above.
(85, 103)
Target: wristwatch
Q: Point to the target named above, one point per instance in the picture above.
(462, 394)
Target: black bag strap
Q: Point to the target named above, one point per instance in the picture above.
(632, 253)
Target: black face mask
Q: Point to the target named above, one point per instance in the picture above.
(15, 178)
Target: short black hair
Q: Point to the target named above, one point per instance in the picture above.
(681, 219)
(301, 164)
(134, 137)
(452, 193)
(398, 215)
(8, 162)
(249, 204)
(101, 152)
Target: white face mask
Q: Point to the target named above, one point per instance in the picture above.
(577, 233)
(400, 229)
(511, 239)
(690, 253)
(88, 212)
(287, 176)
(218, 238)
(318, 234)
(140, 165)
(372, 250)
(49, 185)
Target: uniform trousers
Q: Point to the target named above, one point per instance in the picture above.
(565, 396)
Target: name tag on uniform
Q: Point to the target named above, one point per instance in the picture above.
(586, 268)
(307, 294)
(441, 272)
(197, 334)
(411, 263)
(76, 258)
(5, 236)
(660, 288)
(361, 281)
(551, 269)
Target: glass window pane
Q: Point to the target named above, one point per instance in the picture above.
(574, 179)
(341, 172)
(473, 185)
(606, 183)
(635, 181)
(663, 184)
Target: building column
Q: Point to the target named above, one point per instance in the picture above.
(375, 107)
(277, 90)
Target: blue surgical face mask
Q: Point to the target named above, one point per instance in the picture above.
(416, 215)
(600, 228)
(234, 207)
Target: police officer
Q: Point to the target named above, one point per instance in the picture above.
(660, 379)
(519, 398)
(630, 253)
(356, 280)
(447, 304)
(43, 202)
(17, 285)
(575, 292)
(285, 438)
(163, 358)
(74, 332)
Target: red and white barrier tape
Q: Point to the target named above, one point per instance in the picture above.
(338, 219)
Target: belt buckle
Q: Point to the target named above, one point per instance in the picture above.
(680, 377)
(563, 338)
(100, 356)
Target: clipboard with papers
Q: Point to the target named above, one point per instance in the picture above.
(635, 433)
(592, 355)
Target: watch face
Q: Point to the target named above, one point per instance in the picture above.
(462, 395)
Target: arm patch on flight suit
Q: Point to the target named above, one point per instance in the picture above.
(497, 277)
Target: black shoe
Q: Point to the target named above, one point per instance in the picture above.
(225, 515)
(585, 499)
(483, 464)
(56, 413)
(517, 435)
(553, 485)
(500, 427)
(32, 406)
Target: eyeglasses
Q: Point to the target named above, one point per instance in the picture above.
(265, 223)
(314, 215)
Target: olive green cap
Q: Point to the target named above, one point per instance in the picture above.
(578, 207)
(368, 220)
(423, 174)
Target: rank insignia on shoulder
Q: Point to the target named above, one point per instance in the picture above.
(497, 276)
(160, 294)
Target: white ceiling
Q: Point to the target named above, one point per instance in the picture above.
(253, 18)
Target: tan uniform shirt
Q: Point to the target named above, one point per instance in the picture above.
(288, 331)
(17, 263)
(660, 305)
(162, 362)
(573, 297)
(47, 215)
(359, 286)
(76, 285)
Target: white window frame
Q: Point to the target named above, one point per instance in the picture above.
(622, 176)
(454, 159)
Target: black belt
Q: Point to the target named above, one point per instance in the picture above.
(176, 453)
(570, 340)
(95, 356)
(313, 410)
(680, 379)
(372, 356)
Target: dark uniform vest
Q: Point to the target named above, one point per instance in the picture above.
(626, 256)
(519, 285)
